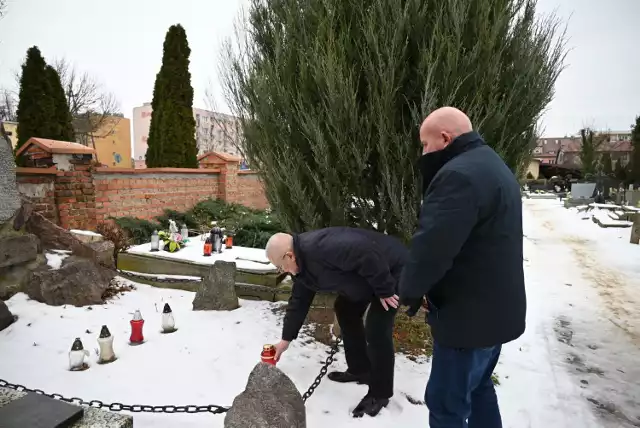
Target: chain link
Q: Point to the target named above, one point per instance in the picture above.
(323, 370)
(159, 279)
(119, 407)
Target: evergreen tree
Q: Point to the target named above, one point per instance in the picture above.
(634, 176)
(620, 171)
(590, 143)
(35, 106)
(61, 116)
(172, 141)
(606, 165)
(331, 95)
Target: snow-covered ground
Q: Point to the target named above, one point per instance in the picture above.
(575, 366)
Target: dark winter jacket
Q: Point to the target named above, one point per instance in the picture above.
(466, 255)
(356, 263)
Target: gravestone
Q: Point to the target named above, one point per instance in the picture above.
(635, 230)
(270, 400)
(9, 195)
(217, 291)
(582, 190)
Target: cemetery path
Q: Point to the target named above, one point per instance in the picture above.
(589, 278)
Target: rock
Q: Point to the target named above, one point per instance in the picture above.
(270, 400)
(6, 318)
(102, 252)
(9, 195)
(12, 279)
(217, 291)
(78, 282)
(635, 230)
(87, 236)
(17, 249)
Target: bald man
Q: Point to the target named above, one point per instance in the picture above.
(363, 267)
(466, 258)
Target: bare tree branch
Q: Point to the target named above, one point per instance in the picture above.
(89, 103)
(230, 129)
(8, 105)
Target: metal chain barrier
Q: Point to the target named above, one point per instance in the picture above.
(154, 278)
(323, 371)
(141, 408)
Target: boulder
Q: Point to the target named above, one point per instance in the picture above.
(13, 278)
(78, 282)
(17, 249)
(9, 195)
(270, 400)
(102, 253)
(6, 318)
(217, 291)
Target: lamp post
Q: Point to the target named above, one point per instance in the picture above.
(168, 322)
(155, 241)
(77, 355)
(136, 329)
(105, 342)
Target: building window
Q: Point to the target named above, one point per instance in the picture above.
(544, 141)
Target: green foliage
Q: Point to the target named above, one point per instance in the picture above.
(590, 145)
(251, 228)
(530, 176)
(331, 96)
(62, 119)
(172, 140)
(35, 106)
(173, 246)
(606, 165)
(620, 171)
(634, 176)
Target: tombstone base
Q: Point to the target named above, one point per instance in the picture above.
(82, 368)
(101, 362)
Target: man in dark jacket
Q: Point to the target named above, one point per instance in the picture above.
(466, 258)
(364, 268)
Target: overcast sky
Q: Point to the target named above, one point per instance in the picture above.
(120, 43)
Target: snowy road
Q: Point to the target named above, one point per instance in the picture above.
(575, 366)
(584, 302)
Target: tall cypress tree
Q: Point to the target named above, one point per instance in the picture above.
(62, 118)
(606, 164)
(172, 141)
(35, 107)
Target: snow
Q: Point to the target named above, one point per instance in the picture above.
(55, 258)
(156, 276)
(576, 364)
(247, 259)
(84, 232)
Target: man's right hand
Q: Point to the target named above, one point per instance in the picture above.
(281, 346)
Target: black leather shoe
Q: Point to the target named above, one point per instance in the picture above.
(370, 406)
(346, 377)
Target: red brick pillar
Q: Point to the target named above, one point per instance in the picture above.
(228, 182)
(75, 195)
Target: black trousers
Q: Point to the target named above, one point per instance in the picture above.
(369, 347)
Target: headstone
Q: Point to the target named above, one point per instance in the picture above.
(270, 400)
(217, 291)
(6, 317)
(78, 282)
(582, 190)
(38, 411)
(17, 249)
(635, 230)
(9, 195)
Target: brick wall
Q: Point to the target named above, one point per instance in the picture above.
(250, 190)
(76, 195)
(38, 185)
(145, 193)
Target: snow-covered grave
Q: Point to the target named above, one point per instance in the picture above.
(575, 366)
(607, 215)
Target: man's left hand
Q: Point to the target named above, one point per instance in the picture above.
(388, 302)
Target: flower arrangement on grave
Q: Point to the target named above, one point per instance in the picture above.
(171, 241)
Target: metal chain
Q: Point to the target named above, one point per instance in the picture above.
(131, 275)
(323, 371)
(119, 407)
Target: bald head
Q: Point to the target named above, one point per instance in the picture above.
(443, 126)
(280, 253)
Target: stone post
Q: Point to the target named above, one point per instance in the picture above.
(217, 291)
(635, 230)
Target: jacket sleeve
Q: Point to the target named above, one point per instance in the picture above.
(449, 213)
(297, 310)
(361, 256)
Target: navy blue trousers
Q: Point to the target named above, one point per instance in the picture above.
(460, 392)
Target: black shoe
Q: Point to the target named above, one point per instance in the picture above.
(370, 406)
(346, 377)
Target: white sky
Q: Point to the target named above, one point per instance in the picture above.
(120, 43)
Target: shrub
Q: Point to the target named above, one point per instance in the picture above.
(180, 219)
(139, 230)
(114, 233)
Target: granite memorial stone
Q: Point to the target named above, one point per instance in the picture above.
(217, 291)
(9, 195)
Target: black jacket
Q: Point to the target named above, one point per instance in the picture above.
(466, 255)
(356, 263)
